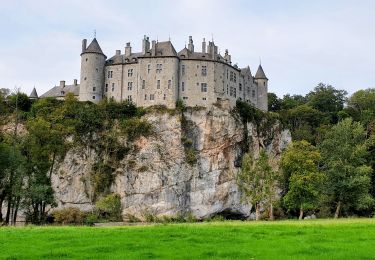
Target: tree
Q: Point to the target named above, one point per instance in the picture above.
(327, 99)
(289, 102)
(257, 181)
(274, 103)
(344, 151)
(303, 179)
(22, 100)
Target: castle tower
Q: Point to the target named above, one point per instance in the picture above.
(92, 72)
(262, 81)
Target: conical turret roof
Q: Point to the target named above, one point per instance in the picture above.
(33, 94)
(94, 48)
(260, 73)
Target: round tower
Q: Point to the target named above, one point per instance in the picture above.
(92, 72)
(262, 82)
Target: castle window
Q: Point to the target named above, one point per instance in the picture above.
(93, 97)
(145, 96)
(182, 70)
(264, 83)
(204, 70)
(182, 86)
(240, 88)
(87, 59)
(234, 77)
(110, 74)
(143, 84)
(93, 88)
(130, 85)
(106, 87)
(85, 78)
(130, 72)
(204, 98)
(148, 68)
(158, 84)
(231, 76)
(227, 90)
(113, 87)
(97, 70)
(203, 87)
(130, 98)
(227, 73)
(169, 83)
(165, 97)
(184, 98)
(159, 68)
(253, 93)
(62, 92)
(152, 96)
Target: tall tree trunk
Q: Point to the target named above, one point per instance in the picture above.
(300, 213)
(1, 206)
(338, 209)
(271, 216)
(7, 216)
(257, 211)
(16, 206)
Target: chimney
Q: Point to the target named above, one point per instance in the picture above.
(204, 45)
(118, 52)
(145, 45)
(191, 45)
(75, 82)
(153, 48)
(84, 43)
(128, 49)
(227, 57)
(62, 83)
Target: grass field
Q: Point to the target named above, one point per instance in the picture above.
(315, 239)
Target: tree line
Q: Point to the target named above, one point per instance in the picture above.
(329, 168)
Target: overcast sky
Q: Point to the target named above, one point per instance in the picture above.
(299, 42)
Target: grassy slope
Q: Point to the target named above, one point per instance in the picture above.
(342, 239)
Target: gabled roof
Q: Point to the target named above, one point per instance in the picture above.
(57, 91)
(94, 48)
(246, 70)
(260, 73)
(165, 49)
(33, 94)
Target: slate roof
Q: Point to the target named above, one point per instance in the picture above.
(94, 48)
(165, 49)
(33, 94)
(260, 73)
(57, 91)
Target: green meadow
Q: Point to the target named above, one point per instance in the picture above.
(313, 239)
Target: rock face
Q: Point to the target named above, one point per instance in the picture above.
(156, 177)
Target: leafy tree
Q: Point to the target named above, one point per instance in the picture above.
(327, 99)
(344, 151)
(302, 177)
(257, 181)
(303, 121)
(363, 100)
(274, 103)
(22, 100)
(289, 102)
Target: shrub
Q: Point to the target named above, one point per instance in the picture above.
(69, 215)
(101, 177)
(109, 207)
(135, 127)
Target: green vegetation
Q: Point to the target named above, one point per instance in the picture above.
(257, 182)
(27, 161)
(323, 239)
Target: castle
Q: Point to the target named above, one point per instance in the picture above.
(160, 76)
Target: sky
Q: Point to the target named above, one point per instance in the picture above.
(299, 43)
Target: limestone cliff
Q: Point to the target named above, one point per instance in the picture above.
(155, 177)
